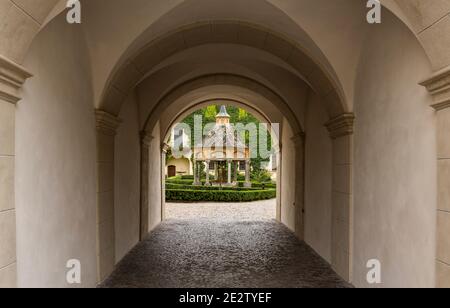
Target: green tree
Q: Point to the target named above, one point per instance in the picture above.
(237, 115)
(210, 113)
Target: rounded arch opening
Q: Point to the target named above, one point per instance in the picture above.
(140, 64)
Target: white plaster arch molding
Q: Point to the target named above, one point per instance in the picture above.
(41, 12)
(310, 23)
(184, 96)
(206, 33)
(290, 87)
(32, 16)
(227, 99)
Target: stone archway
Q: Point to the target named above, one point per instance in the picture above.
(257, 112)
(430, 20)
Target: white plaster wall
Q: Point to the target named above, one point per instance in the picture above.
(127, 179)
(155, 176)
(395, 161)
(181, 164)
(318, 180)
(287, 174)
(56, 154)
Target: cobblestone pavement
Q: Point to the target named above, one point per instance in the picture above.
(206, 253)
(255, 211)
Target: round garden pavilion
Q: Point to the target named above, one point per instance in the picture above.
(223, 150)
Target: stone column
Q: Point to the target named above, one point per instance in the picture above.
(299, 143)
(341, 132)
(146, 140)
(439, 87)
(248, 182)
(229, 172)
(107, 125)
(207, 173)
(12, 77)
(235, 175)
(164, 151)
(216, 170)
(197, 179)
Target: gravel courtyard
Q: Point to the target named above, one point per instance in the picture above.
(254, 211)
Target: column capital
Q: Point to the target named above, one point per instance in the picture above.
(299, 139)
(106, 123)
(146, 139)
(12, 77)
(341, 125)
(166, 148)
(439, 87)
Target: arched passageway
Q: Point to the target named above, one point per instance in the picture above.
(206, 254)
(359, 174)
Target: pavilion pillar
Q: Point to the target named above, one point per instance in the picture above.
(216, 171)
(207, 173)
(439, 87)
(229, 172)
(196, 174)
(12, 77)
(247, 174)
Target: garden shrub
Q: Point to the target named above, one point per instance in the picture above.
(214, 188)
(191, 195)
(270, 185)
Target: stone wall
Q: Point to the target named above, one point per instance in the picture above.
(56, 161)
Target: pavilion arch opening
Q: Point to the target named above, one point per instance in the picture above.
(227, 165)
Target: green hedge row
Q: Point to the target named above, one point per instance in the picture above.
(219, 196)
(213, 188)
(241, 183)
(191, 177)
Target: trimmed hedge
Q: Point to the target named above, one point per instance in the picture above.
(190, 195)
(213, 188)
(240, 183)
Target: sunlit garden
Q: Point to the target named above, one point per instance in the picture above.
(224, 167)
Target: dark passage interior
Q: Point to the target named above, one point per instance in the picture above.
(223, 254)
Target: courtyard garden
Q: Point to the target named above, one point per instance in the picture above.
(182, 189)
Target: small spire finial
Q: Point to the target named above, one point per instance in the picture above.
(223, 112)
